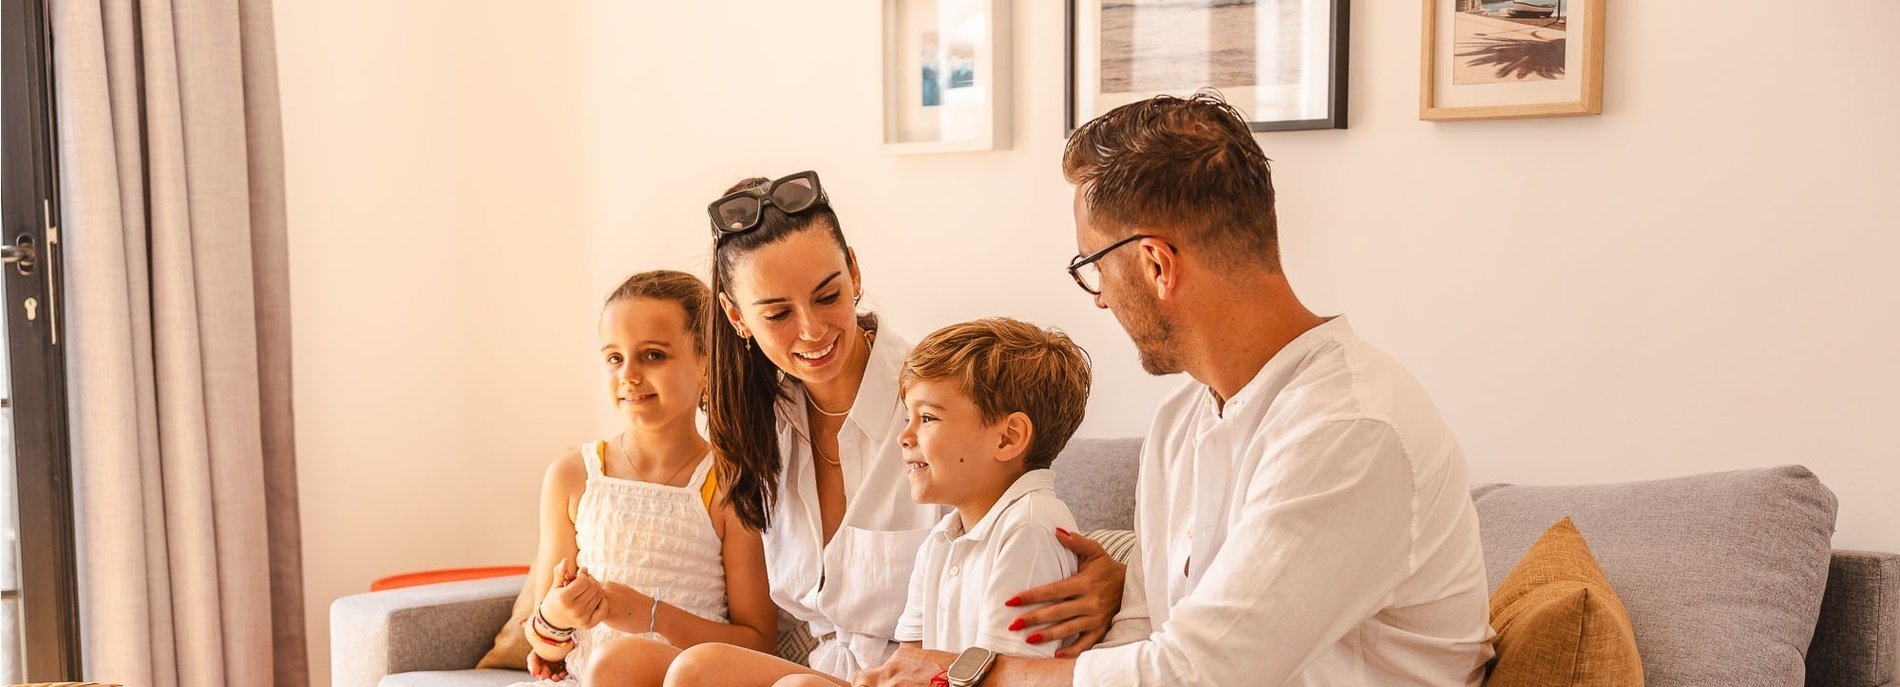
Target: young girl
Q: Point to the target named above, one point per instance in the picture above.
(640, 556)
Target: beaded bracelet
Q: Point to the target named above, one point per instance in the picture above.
(549, 633)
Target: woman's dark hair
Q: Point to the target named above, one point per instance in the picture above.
(741, 419)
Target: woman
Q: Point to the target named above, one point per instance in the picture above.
(805, 418)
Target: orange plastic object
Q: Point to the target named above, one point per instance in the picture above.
(450, 575)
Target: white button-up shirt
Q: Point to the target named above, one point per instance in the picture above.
(1317, 529)
(963, 577)
(856, 585)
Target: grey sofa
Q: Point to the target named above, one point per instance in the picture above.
(1727, 577)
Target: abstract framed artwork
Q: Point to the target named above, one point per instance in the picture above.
(1499, 59)
(1281, 62)
(945, 75)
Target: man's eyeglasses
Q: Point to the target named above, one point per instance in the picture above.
(1088, 275)
(741, 211)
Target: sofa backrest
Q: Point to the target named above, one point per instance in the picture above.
(1722, 573)
(1096, 477)
(1767, 525)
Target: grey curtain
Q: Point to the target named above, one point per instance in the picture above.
(178, 342)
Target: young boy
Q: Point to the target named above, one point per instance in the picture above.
(990, 404)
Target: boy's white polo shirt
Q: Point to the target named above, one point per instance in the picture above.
(962, 578)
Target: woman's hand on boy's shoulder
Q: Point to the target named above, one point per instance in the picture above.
(1081, 606)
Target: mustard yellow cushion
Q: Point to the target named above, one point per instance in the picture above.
(1559, 623)
(511, 646)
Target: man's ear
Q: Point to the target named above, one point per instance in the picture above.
(1013, 442)
(1162, 266)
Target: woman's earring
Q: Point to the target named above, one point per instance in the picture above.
(748, 342)
(705, 399)
(857, 299)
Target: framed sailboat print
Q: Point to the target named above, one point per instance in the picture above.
(1498, 59)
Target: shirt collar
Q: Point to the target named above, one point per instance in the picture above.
(951, 527)
(876, 406)
(1267, 382)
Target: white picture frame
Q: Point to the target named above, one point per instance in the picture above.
(946, 76)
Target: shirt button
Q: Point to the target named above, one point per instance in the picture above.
(953, 571)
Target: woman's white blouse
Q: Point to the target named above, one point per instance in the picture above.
(856, 585)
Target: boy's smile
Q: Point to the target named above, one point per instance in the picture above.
(950, 454)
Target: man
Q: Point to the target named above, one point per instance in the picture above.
(1303, 511)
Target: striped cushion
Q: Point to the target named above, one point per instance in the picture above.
(1119, 543)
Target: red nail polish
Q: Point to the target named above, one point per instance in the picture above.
(1063, 532)
(1016, 625)
(1013, 602)
(1062, 654)
(1035, 638)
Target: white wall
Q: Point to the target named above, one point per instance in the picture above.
(442, 340)
(1704, 281)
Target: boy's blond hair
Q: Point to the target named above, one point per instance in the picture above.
(1007, 366)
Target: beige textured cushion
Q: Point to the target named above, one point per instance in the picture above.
(1559, 623)
(511, 646)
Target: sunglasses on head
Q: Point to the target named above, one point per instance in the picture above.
(741, 211)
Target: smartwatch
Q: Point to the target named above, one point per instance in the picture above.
(970, 667)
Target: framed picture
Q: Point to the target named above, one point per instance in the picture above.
(1496, 59)
(1282, 62)
(946, 75)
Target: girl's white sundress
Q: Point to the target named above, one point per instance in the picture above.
(655, 538)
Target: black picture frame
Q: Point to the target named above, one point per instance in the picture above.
(1337, 70)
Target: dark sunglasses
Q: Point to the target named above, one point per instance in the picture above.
(741, 211)
(1088, 275)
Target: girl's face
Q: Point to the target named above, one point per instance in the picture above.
(796, 299)
(653, 374)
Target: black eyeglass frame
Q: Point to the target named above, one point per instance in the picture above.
(1080, 261)
(763, 195)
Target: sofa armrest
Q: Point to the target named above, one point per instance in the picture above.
(1860, 615)
(446, 626)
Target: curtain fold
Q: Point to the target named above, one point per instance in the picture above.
(178, 341)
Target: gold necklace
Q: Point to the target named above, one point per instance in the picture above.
(821, 454)
(626, 454)
(868, 338)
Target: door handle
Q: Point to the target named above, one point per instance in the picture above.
(22, 254)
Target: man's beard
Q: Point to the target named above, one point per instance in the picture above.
(1152, 332)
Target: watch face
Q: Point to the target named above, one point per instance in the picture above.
(970, 664)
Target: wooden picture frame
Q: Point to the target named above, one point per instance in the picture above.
(1493, 59)
(1300, 85)
(946, 76)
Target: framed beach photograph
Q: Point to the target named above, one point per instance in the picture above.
(946, 75)
(1499, 59)
(1281, 62)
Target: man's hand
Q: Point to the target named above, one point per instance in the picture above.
(909, 667)
(1081, 606)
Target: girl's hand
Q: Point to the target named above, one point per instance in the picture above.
(543, 669)
(575, 600)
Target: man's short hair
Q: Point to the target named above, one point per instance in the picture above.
(1188, 165)
(1007, 366)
